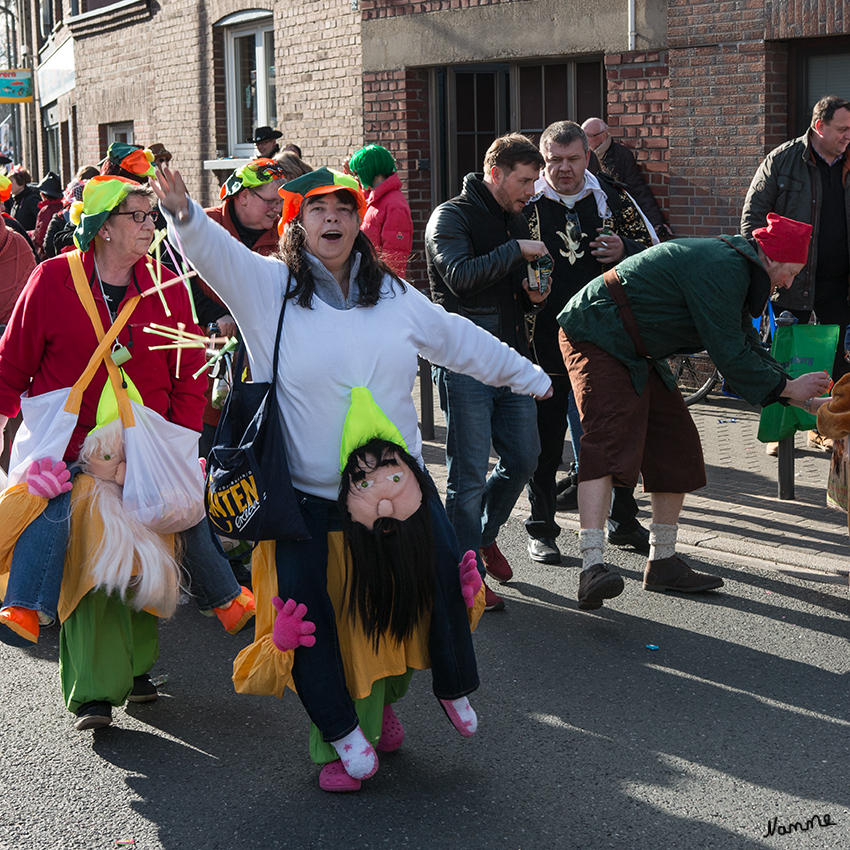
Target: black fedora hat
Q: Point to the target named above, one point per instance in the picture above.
(263, 134)
(51, 185)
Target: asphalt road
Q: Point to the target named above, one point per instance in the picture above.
(587, 738)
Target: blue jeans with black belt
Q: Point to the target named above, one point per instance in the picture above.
(317, 670)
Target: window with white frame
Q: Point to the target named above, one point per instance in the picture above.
(250, 77)
(120, 133)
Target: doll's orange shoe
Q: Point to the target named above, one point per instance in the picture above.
(234, 617)
(22, 621)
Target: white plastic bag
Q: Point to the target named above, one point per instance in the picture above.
(45, 431)
(163, 486)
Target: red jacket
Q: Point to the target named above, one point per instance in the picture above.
(266, 245)
(50, 339)
(388, 224)
(46, 211)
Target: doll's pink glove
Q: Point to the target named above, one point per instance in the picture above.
(291, 630)
(48, 479)
(470, 578)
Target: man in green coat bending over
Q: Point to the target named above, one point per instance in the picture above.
(678, 297)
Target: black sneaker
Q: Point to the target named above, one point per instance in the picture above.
(93, 715)
(596, 584)
(144, 690)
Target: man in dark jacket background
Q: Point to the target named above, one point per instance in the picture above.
(617, 161)
(25, 199)
(806, 179)
(477, 246)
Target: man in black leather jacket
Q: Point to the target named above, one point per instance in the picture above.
(477, 246)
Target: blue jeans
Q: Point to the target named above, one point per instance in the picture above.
(317, 671)
(476, 415)
(38, 562)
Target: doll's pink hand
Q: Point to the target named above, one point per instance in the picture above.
(291, 630)
(470, 578)
(48, 480)
(203, 462)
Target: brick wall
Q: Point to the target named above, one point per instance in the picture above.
(826, 17)
(319, 80)
(165, 74)
(638, 113)
(396, 115)
(728, 105)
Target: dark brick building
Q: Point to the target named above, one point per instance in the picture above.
(700, 91)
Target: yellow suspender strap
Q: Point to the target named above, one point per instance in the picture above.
(102, 352)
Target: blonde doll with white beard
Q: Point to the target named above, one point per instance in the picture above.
(130, 559)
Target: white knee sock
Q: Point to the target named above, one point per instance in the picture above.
(662, 541)
(358, 756)
(590, 543)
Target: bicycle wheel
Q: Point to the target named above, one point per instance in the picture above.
(695, 375)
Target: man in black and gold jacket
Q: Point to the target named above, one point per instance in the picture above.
(588, 224)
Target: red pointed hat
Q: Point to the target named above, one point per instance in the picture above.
(784, 240)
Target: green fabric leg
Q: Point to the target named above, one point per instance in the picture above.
(102, 646)
(370, 713)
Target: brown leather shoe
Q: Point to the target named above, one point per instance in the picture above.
(676, 574)
(595, 584)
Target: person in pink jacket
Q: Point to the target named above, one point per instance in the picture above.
(387, 221)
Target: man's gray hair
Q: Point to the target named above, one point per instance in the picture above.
(563, 133)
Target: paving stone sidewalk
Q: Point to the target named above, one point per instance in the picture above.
(739, 511)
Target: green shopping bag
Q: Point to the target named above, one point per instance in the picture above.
(799, 349)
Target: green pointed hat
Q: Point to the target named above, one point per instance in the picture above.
(365, 421)
(107, 407)
(100, 196)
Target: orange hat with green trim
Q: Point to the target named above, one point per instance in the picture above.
(130, 158)
(5, 188)
(318, 182)
(257, 172)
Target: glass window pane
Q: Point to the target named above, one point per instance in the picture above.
(465, 95)
(245, 64)
(466, 158)
(485, 87)
(590, 97)
(531, 97)
(271, 89)
(556, 93)
(827, 75)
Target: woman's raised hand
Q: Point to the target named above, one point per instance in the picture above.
(169, 187)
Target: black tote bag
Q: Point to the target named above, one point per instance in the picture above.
(248, 493)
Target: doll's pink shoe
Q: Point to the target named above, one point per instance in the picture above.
(461, 714)
(333, 778)
(392, 732)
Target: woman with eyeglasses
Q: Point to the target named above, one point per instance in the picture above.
(106, 647)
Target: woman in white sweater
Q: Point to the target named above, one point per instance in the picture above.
(350, 322)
